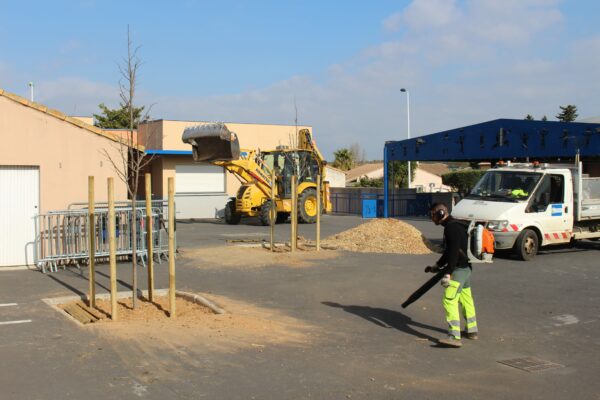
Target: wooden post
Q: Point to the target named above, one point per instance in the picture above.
(318, 212)
(172, 311)
(112, 250)
(294, 213)
(273, 209)
(149, 238)
(91, 243)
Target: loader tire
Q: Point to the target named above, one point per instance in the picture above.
(231, 216)
(527, 245)
(264, 215)
(307, 207)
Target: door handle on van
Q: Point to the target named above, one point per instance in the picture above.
(566, 209)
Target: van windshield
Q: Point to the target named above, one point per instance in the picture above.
(505, 186)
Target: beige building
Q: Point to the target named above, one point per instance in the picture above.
(336, 177)
(428, 176)
(202, 189)
(370, 170)
(45, 161)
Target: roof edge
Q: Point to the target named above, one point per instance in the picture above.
(57, 114)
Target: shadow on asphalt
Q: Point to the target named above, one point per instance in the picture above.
(388, 319)
(80, 275)
(71, 288)
(578, 247)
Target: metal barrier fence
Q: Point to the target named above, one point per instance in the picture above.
(62, 237)
(399, 204)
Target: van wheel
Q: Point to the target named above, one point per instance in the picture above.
(527, 245)
(232, 217)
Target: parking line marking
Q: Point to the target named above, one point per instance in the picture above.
(8, 304)
(23, 321)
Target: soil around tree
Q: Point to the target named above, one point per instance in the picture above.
(196, 326)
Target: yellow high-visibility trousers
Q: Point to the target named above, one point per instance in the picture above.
(458, 296)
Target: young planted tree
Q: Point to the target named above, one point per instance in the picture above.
(567, 113)
(131, 161)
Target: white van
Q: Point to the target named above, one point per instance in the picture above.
(532, 205)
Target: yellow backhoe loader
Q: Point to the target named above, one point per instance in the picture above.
(216, 144)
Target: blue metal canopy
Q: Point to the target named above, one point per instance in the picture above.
(501, 139)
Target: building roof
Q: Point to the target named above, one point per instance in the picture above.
(501, 139)
(362, 170)
(437, 169)
(329, 166)
(225, 122)
(57, 114)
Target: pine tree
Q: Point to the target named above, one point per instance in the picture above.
(117, 118)
(544, 118)
(529, 117)
(568, 113)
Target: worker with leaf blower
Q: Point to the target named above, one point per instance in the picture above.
(456, 269)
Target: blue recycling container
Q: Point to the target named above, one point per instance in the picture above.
(369, 208)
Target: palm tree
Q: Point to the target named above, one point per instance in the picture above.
(344, 159)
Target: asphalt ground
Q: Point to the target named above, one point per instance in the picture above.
(365, 345)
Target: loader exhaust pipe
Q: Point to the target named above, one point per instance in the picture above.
(212, 142)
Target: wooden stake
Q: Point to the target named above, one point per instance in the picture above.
(318, 212)
(91, 244)
(172, 311)
(294, 213)
(112, 249)
(273, 209)
(149, 238)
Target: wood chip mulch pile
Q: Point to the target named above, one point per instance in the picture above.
(384, 235)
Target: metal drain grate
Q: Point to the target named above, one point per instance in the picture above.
(530, 364)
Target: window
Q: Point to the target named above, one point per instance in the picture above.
(505, 185)
(551, 190)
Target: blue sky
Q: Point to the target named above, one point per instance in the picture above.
(343, 61)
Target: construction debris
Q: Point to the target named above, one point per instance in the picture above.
(381, 236)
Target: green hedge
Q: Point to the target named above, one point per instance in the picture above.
(462, 181)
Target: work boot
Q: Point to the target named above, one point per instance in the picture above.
(451, 341)
(472, 335)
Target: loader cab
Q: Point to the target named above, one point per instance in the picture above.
(302, 163)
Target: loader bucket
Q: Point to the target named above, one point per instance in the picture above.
(212, 142)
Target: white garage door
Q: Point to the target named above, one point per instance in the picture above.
(19, 202)
(199, 178)
(199, 191)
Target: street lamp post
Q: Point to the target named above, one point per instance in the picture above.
(30, 84)
(408, 127)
